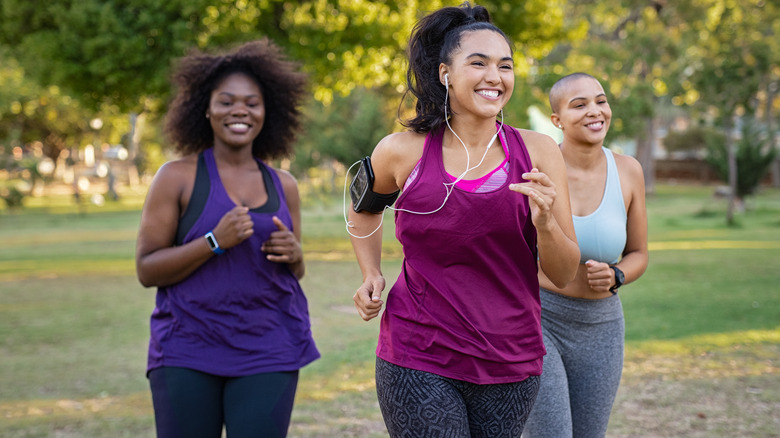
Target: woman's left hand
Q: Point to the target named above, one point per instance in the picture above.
(282, 246)
(541, 196)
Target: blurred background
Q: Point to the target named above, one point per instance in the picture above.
(84, 84)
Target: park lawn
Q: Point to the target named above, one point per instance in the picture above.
(703, 326)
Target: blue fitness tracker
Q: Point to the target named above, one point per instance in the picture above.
(212, 241)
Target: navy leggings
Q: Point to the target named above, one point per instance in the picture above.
(192, 404)
(425, 405)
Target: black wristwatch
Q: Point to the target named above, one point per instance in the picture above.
(620, 278)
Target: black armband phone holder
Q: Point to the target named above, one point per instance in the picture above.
(361, 190)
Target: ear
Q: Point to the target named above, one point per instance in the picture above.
(443, 70)
(556, 120)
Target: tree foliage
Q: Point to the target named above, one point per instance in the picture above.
(101, 52)
(717, 59)
(120, 51)
(753, 158)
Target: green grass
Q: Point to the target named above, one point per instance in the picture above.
(702, 325)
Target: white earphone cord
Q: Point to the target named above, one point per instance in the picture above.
(448, 187)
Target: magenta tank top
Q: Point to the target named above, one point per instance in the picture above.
(466, 304)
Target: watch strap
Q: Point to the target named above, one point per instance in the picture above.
(619, 279)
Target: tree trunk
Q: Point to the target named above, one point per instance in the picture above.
(645, 146)
(768, 119)
(731, 149)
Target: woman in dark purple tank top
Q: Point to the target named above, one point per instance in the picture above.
(220, 240)
(460, 346)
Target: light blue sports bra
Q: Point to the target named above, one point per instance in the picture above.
(602, 234)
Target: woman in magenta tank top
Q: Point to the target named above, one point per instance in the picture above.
(460, 346)
(220, 239)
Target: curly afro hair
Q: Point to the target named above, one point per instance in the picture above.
(198, 74)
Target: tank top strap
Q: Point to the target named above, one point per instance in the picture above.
(613, 192)
(198, 199)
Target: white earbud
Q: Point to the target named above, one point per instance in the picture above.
(446, 80)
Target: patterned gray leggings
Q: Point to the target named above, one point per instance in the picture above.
(421, 404)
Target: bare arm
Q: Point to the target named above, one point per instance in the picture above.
(392, 164)
(548, 195)
(635, 256)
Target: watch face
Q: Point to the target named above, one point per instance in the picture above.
(210, 239)
(620, 278)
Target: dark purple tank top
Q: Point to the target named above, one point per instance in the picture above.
(466, 304)
(238, 314)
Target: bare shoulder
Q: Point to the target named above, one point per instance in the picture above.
(541, 148)
(629, 166)
(399, 145)
(179, 172)
(287, 179)
(394, 159)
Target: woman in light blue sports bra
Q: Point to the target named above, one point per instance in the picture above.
(582, 323)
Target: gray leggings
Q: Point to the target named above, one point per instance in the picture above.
(582, 368)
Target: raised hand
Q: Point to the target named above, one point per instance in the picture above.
(282, 246)
(541, 194)
(234, 227)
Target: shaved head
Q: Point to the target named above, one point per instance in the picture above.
(557, 90)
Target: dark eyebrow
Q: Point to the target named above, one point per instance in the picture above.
(234, 95)
(483, 56)
(585, 98)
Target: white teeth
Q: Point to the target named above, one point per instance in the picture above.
(594, 125)
(239, 125)
(488, 93)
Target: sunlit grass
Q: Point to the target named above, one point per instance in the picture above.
(702, 325)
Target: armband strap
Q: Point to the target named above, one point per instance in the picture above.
(361, 190)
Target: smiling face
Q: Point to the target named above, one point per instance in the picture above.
(583, 111)
(236, 110)
(481, 74)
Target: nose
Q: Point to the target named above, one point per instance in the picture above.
(593, 109)
(492, 75)
(239, 110)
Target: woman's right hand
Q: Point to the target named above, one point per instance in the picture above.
(234, 227)
(368, 297)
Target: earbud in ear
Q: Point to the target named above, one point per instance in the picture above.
(446, 80)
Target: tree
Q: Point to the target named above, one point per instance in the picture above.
(753, 157)
(101, 52)
(736, 53)
(631, 46)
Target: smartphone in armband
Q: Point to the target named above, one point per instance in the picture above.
(361, 190)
